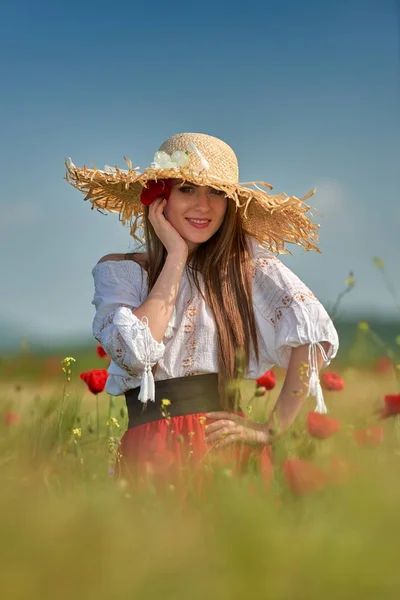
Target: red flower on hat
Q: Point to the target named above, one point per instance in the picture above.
(155, 189)
(369, 436)
(268, 380)
(332, 381)
(95, 379)
(392, 406)
(320, 426)
(11, 418)
(101, 353)
(303, 477)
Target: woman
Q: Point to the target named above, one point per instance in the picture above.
(175, 319)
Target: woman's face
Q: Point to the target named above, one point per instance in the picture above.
(188, 202)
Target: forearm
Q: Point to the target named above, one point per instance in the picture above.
(159, 304)
(285, 411)
(294, 390)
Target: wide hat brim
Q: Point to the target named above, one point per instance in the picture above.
(275, 220)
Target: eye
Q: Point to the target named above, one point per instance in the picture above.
(217, 192)
(186, 189)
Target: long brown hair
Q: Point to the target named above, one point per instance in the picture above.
(224, 261)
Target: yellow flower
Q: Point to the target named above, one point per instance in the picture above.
(67, 361)
(165, 402)
(350, 281)
(378, 262)
(363, 326)
(202, 420)
(77, 432)
(398, 340)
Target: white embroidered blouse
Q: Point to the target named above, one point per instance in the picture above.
(287, 315)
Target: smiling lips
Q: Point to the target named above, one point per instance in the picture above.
(199, 223)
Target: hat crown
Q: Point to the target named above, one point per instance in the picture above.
(221, 158)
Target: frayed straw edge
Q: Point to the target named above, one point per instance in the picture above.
(92, 182)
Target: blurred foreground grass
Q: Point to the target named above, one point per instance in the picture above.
(68, 529)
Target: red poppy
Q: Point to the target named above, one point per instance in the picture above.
(383, 366)
(332, 381)
(95, 379)
(268, 380)
(303, 477)
(392, 406)
(369, 436)
(11, 418)
(101, 353)
(155, 189)
(320, 426)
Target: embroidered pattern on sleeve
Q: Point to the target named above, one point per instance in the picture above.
(189, 327)
(288, 300)
(114, 344)
(276, 301)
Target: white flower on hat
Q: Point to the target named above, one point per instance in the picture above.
(204, 164)
(162, 160)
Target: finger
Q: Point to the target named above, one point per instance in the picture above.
(219, 425)
(156, 212)
(158, 205)
(221, 415)
(219, 435)
(234, 438)
(240, 435)
(156, 202)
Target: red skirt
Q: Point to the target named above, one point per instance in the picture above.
(172, 450)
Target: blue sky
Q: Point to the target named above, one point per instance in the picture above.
(306, 93)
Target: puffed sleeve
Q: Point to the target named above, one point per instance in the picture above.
(289, 315)
(127, 340)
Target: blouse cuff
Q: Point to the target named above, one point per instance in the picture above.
(293, 338)
(148, 350)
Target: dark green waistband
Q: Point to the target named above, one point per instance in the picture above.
(188, 395)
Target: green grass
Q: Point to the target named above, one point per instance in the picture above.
(70, 530)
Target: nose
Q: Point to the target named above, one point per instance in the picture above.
(202, 199)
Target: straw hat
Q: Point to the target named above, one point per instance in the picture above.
(274, 220)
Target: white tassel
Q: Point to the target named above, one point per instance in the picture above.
(315, 390)
(147, 386)
(314, 385)
(151, 387)
(143, 396)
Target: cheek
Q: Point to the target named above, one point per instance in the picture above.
(172, 208)
(172, 212)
